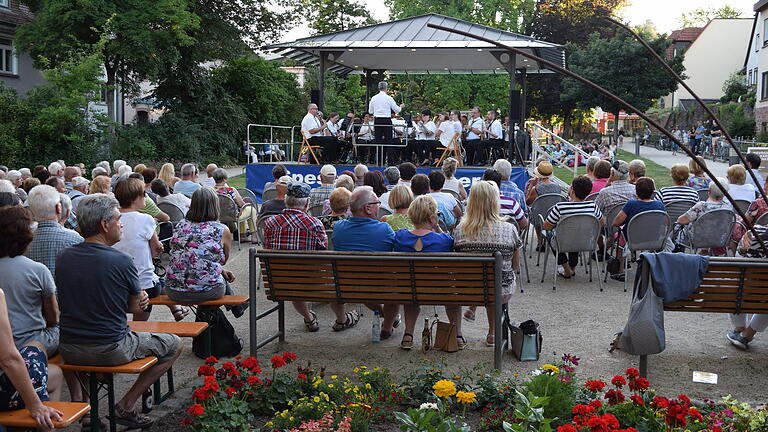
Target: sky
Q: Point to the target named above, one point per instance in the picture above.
(665, 14)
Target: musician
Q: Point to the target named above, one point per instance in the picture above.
(425, 137)
(475, 128)
(346, 125)
(494, 134)
(381, 107)
(364, 135)
(445, 132)
(314, 129)
(334, 128)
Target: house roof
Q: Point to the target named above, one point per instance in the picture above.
(688, 34)
(759, 6)
(15, 15)
(410, 46)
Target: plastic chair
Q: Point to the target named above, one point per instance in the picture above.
(742, 205)
(703, 194)
(762, 220)
(316, 210)
(538, 211)
(574, 233)
(172, 210)
(646, 231)
(711, 230)
(522, 234)
(268, 195)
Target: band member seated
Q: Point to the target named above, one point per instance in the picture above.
(475, 128)
(494, 132)
(335, 129)
(364, 135)
(399, 135)
(314, 128)
(425, 137)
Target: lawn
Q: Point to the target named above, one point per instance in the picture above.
(657, 172)
(237, 181)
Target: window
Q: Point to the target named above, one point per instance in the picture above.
(5, 3)
(764, 86)
(749, 78)
(8, 61)
(757, 42)
(754, 76)
(765, 29)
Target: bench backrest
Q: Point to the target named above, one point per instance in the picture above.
(360, 277)
(730, 285)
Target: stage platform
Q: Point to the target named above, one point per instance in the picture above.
(256, 175)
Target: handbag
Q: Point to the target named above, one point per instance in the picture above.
(224, 340)
(445, 337)
(644, 332)
(526, 340)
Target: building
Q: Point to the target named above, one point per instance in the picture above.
(756, 63)
(16, 69)
(299, 71)
(605, 122)
(711, 57)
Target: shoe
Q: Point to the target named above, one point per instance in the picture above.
(407, 344)
(561, 273)
(132, 419)
(181, 313)
(541, 248)
(312, 325)
(618, 277)
(469, 315)
(734, 336)
(239, 310)
(351, 320)
(398, 319)
(461, 342)
(85, 423)
(490, 340)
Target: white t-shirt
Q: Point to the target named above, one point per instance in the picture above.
(421, 131)
(447, 130)
(333, 128)
(496, 129)
(310, 122)
(382, 105)
(744, 192)
(447, 199)
(453, 184)
(138, 228)
(181, 201)
(475, 123)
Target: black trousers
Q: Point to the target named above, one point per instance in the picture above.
(483, 146)
(472, 148)
(425, 148)
(330, 147)
(382, 134)
(572, 258)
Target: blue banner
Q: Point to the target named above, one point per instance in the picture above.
(256, 175)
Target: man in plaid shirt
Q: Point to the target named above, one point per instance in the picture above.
(50, 237)
(294, 229)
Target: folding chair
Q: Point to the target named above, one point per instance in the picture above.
(703, 194)
(452, 192)
(574, 233)
(646, 231)
(306, 148)
(538, 211)
(711, 230)
(172, 210)
(453, 148)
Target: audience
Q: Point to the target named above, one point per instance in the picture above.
(360, 171)
(680, 191)
(246, 212)
(344, 181)
(509, 207)
(168, 175)
(392, 174)
(29, 183)
(714, 202)
(188, 183)
(509, 188)
(57, 183)
(160, 188)
(541, 183)
(698, 180)
(753, 164)
(95, 332)
(50, 237)
(602, 175)
(150, 208)
(318, 195)
(209, 180)
(277, 172)
(590, 166)
(400, 199)
(420, 186)
(452, 183)
(738, 189)
(375, 179)
(277, 204)
(618, 191)
(339, 202)
(636, 170)
(100, 185)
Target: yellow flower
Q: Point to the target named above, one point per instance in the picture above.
(367, 386)
(444, 388)
(465, 397)
(330, 385)
(333, 377)
(355, 370)
(316, 399)
(551, 368)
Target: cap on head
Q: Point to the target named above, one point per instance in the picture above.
(328, 171)
(299, 190)
(284, 180)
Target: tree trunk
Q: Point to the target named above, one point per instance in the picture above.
(567, 124)
(616, 129)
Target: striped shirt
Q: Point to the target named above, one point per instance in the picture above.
(510, 207)
(49, 239)
(510, 189)
(754, 249)
(568, 208)
(676, 193)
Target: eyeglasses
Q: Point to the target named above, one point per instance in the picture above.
(374, 203)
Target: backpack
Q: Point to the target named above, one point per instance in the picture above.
(224, 341)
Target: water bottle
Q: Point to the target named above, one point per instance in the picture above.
(376, 328)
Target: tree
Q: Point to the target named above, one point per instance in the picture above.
(734, 88)
(701, 16)
(622, 66)
(328, 16)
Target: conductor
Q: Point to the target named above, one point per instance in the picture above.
(382, 106)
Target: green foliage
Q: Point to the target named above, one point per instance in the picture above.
(328, 16)
(701, 16)
(734, 88)
(735, 120)
(428, 420)
(234, 415)
(500, 14)
(559, 396)
(531, 413)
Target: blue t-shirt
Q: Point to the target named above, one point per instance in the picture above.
(634, 207)
(432, 242)
(186, 187)
(363, 235)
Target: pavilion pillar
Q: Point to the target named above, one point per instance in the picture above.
(525, 148)
(368, 85)
(321, 80)
(509, 61)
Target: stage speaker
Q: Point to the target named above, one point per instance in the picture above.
(514, 113)
(314, 97)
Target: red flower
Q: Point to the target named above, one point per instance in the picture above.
(186, 421)
(619, 381)
(199, 394)
(210, 379)
(683, 398)
(595, 386)
(206, 370)
(566, 428)
(196, 410)
(254, 380)
(278, 362)
(301, 376)
(661, 402)
(582, 410)
(614, 397)
(230, 392)
(238, 357)
(596, 404)
(632, 373)
(250, 363)
(228, 366)
(211, 360)
(637, 400)
(695, 414)
(289, 357)
(639, 384)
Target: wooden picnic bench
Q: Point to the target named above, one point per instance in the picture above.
(730, 285)
(70, 413)
(373, 277)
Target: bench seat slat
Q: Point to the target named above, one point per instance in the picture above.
(134, 367)
(71, 412)
(180, 329)
(227, 300)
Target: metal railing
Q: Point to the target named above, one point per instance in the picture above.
(539, 149)
(268, 146)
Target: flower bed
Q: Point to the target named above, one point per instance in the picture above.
(302, 398)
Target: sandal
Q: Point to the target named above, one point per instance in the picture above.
(406, 345)
(352, 319)
(461, 342)
(618, 277)
(490, 340)
(384, 335)
(180, 313)
(561, 273)
(312, 325)
(469, 315)
(398, 318)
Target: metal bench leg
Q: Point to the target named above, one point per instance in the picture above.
(644, 366)
(281, 321)
(110, 382)
(157, 388)
(93, 385)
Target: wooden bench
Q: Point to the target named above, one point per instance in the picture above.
(730, 285)
(373, 277)
(203, 314)
(70, 413)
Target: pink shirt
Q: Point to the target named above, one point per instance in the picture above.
(598, 184)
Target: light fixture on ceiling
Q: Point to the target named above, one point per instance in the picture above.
(350, 50)
(413, 49)
(479, 50)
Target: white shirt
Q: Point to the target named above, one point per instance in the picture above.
(333, 128)
(475, 123)
(398, 129)
(382, 105)
(181, 201)
(447, 130)
(447, 199)
(421, 133)
(310, 122)
(367, 131)
(496, 129)
(138, 228)
(759, 178)
(209, 182)
(744, 192)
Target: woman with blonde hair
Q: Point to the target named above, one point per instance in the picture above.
(483, 230)
(737, 186)
(344, 181)
(168, 175)
(680, 191)
(400, 199)
(139, 168)
(698, 180)
(452, 183)
(101, 184)
(426, 236)
(339, 203)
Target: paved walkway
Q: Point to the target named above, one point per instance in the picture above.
(665, 158)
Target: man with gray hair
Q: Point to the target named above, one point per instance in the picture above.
(79, 190)
(99, 171)
(188, 183)
(618, 191)
(392, 174)
(105, 166)
(636, 170)
(14, 177)
(209, 181)
(56, 169)
(96, 332)
(70, 172)
(318, 195)
(25, 173)
(509, 188)
(360, 171)
(314, 128)
(50, 237)
(364, 233)
(294, 229)
(381, 108)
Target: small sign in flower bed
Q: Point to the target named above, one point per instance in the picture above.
(293, 396)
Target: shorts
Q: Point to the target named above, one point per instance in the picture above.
(134, 346)
(37, 367)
